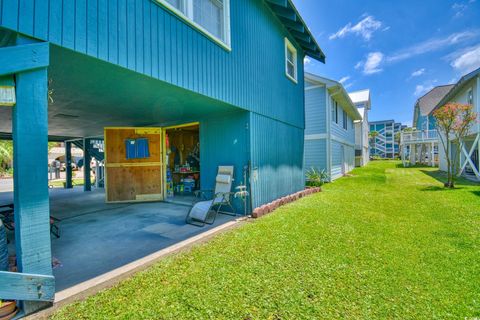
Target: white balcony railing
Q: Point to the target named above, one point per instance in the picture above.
(419, 136)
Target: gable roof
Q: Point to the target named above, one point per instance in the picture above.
(336, 88)
(457, 88)
(429, 101)
(361, 96)
(287, 13)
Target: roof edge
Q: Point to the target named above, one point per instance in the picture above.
(335, 84)
(456, 88)
(289, 16)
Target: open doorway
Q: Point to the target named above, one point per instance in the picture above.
(182, 145)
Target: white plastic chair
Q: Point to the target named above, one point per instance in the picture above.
(212, 202)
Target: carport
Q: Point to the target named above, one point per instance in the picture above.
(96, 237)
(63, 95)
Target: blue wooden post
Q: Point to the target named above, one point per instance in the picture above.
(32, 212)
(87, 158)
(68, 164)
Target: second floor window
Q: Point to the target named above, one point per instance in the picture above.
(334, 111)
(345, 120)
(210, 16)
(290, 61)
(470, 97)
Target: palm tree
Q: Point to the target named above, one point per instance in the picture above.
(6, 153)
(372, 135)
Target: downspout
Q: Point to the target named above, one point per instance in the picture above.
(328, 98)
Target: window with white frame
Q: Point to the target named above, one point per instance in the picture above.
(345, 120)
(209, 16)
(470, 97)
(290, 60)
(334, 111)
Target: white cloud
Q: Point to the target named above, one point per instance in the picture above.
(418, 73)
(432, 45)
(467, 61)
(344, 79)
(372, 63)
(364, 28)
(461, 60)
(459, 9)
(424, 87)
(307, 60)
(420, 89)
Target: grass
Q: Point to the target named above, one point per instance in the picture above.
(60, 183)
(386, 242)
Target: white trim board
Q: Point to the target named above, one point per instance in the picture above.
(321, 136)
(187, 17)
(317, 136)
(315, 87)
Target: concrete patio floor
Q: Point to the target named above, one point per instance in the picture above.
(97, 237)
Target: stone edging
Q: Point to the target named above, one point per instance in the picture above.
(269, 207)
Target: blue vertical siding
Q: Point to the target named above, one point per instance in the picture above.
(315, 110)
(277, 156)
(224, 141)
(143, 36)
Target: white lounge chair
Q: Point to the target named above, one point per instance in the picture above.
(212, 202)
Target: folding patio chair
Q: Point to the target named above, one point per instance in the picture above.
(212, 202)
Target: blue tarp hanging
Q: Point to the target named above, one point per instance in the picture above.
(142, 148)
(137, 148)
(130, 149)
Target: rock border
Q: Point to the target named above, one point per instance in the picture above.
(272, 206)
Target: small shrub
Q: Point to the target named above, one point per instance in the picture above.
(316, 177)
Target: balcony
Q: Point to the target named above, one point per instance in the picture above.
(418, 136)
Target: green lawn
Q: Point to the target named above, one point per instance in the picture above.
(60, 183)
(386, 242)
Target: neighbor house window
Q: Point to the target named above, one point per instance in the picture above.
(345, 120)
(334, 111)
(470, 97)
(211, 17)
(290, 60)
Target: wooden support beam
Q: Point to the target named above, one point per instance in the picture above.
(87, 158)
(282, 3)
(301, 36)
(25, 57)
(68, 164)
(293, 25)
(307, 45)
(315, 55)
(284, 12)
(468, 157)
(24, 286)
(32, 209)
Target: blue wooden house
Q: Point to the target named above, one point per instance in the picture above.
(69, 69)
(329, 126)
(465, 91)
(423, 120)
(420, 145)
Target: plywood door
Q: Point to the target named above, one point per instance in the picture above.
(133, 180)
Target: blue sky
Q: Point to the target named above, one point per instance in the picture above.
(397, 49)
